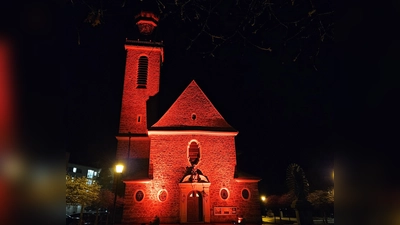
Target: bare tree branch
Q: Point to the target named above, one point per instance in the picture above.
(257, 46)
(306, 24)
(203, 26)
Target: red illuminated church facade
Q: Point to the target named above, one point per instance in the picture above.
(182, 168)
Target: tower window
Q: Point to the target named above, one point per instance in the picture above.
(142, 72)
(139, 118)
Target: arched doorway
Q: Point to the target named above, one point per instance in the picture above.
(195, 207)
(199, 207)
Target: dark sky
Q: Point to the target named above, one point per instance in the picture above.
(283, 112)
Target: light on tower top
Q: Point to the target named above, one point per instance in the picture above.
(146, 22)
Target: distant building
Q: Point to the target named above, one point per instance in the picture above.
(181, 168)
(76, 170)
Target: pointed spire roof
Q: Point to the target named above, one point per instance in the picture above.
(192, 111)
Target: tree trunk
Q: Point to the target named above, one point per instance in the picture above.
(325, 219)
(97, 216)
(108, 213)
(81, 217)
(303, 212)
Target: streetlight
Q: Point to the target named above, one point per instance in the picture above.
(333, 178)
(118, 170)
(263, 198)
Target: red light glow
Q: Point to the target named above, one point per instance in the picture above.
(6, 96)
(146, 23)
(6, 130)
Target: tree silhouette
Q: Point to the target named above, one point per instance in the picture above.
(105, 178)
(293, 30)
(298, 184)
(297, 181)
(81, 191)
(322, 200)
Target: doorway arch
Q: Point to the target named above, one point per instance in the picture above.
(195, 207)
(194, 210)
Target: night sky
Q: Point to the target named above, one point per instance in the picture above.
(282, 109)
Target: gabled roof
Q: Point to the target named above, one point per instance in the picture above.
(241, 176)
(192, 111)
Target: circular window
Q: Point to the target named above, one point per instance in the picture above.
(246, 194)
(194, 116)
(139, 196)
(224, 194)
(162, 195)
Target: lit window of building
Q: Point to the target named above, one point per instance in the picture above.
(90, 174)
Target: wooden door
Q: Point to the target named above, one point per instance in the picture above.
(194, 207)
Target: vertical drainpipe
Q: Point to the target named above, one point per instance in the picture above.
(129, 145)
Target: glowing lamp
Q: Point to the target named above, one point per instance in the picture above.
(119, 168)
(263, 198)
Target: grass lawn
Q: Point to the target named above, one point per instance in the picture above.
(291, 220)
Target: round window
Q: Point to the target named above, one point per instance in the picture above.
(245, 194)
(162, 195)
(139, 195)
(224, 194)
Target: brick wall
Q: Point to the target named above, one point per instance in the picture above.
(146, 210)
(168, 156)
(139, 147)
(134, 99)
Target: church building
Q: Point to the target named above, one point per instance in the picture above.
(181, 167)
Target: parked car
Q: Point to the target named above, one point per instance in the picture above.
(87, 219)
(92, 209)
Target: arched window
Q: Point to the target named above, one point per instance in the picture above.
(194, 153)
(142, 72)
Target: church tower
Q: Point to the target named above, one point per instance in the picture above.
(144, 57)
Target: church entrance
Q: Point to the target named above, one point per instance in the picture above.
(194, 207)
(194, 202)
